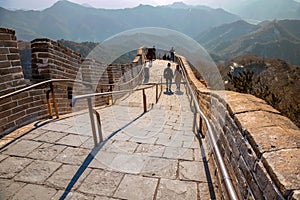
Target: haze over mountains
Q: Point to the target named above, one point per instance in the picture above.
(78, 23)
(67, 20)
(268, 9)
(222, 33)
(275, 39)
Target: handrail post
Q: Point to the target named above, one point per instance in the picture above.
(99, 125)
(144, 101)
(54, 100)
(200, 127)
(161, 85)
(49, 103)
(194, 121)
(111, 96)
(89, 100)
(156, 92)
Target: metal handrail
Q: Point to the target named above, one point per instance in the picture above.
(91, 110)
(225, 175)
(118, 84)
(39, 84)
(130, 82)
(51, 81)
(85, 96)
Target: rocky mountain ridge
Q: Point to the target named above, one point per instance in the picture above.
(275, 39)
(70, 21)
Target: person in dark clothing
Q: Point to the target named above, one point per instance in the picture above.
(172, 53)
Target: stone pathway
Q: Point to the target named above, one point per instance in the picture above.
(154, 155)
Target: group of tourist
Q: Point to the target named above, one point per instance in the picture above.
(169, 75)
(168, 72)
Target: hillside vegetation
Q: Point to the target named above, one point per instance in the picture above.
(273, 80)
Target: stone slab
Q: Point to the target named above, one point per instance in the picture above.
(73, 140)
(175, 189)
(50, 136)
(150, 150)
(35, 192)
(73, 195)
(239, 103)
(196, 174)
(12, 166)
(160, 167)
(101, 182)
(121, 147)
(128, 163)
(178, 153)
(34, 134)
(56, 126)
(103, 160)
(46, 151)
(61, 178)
(9, 188)
(73, 156)
(2, 157)
(145, 140)
(37, 172)
(283, 167)
(255, 119)
(136, 187)
(271, 138)
(22, 148)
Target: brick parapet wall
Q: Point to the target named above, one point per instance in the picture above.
(50, 60)
(23, 108)
(261, 148)
(11, 72)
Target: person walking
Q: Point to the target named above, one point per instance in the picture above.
(172, 54)
(178, 77)
(168, 75)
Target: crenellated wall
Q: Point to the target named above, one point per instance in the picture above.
(50, 60)
(261, 148)
(11, 72)
(23, 108)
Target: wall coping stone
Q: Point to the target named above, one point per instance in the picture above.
(47, 40)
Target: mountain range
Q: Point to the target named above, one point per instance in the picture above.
(275, 39)
(223, 34)
(260, 10)
(70, 21)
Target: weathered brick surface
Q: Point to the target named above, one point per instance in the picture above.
(261, 145)
(10, 65)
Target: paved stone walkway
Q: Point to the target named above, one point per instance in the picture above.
(154, 155)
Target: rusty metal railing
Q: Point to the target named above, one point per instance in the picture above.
(51, 90)
(216, 151)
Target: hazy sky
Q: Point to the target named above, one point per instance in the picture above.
(42, 4)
